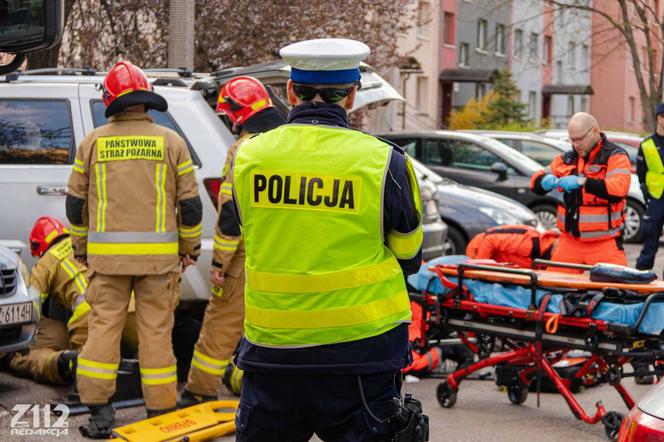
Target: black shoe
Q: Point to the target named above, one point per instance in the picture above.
(101, 423)
(155, 413)
(187, 399)
(644, 380)
(67, 366)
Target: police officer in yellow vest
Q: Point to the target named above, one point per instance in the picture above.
(650, 170)
(331, 223)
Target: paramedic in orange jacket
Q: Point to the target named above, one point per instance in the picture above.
(594, 177)
(516, 243)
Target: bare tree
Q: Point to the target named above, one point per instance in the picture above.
(636, 21)
(242, 32)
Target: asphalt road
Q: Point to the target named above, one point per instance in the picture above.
(482, 411)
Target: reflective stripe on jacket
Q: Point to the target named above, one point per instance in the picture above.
(142, 205)
(595, 211)
(318, 267)
(518, 243)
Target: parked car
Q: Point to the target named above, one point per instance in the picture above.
(480, 161)
(19, 307)
(645, 422)
(44, 116)
(468, 211)
(544, 150)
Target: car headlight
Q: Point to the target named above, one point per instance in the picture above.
(500, 216)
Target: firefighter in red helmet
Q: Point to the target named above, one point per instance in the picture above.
(246, 103)
(135, 217)
(59, 278)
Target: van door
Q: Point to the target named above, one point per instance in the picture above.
(38, 138)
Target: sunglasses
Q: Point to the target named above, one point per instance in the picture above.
(327, 94)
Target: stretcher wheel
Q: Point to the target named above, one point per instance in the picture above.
(612, 421)
(517, 393)
(445, 395)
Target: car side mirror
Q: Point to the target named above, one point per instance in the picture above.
(30, 26)
(500, 169)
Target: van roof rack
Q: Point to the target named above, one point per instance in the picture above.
(61, 71)
(183, 72)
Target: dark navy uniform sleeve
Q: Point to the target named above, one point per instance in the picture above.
(399, 211)
(641, 169)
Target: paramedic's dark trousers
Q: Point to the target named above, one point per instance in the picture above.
(652, 229)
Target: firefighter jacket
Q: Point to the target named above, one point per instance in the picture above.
(59, 275)
(649, 166)
(518, 244)
(595, 211)
(133, 199)
(329, 275)
(228, 253)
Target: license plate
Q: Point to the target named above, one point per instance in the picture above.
(15, 313)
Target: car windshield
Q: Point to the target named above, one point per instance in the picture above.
(515, 157)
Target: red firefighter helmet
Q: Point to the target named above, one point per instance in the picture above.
(127, 85)
(45, 230)
(241, 98)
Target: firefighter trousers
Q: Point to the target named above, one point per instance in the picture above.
(220, 333)
(156, 297)
(575, 251)
(52, 339)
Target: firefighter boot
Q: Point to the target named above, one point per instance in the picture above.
(101, 423)
(66, 364)
(187, 399)
(232, 378)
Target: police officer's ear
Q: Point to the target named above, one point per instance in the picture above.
(292, 98)
(350, 100)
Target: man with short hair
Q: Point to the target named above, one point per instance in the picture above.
(331, 220)
(650, 170)
(594, 177)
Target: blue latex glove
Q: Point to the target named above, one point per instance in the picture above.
(549, 182)
(569, 183)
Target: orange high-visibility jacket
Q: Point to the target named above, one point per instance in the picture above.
(595, 211)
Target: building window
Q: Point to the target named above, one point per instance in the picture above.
(423, 18)
(631, 109)
(558, 73)
(548, 49)
(584, 104)
(532, 105)
(449, 30)
(422, 94)
(480, 90)
(500, 39)
(585, 57)
(571, 55)
(481, 35)
(518, 43)
(570, 105)
(463, 55)
(534, 45)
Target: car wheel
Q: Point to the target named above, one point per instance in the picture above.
(546, 215)
(633, 227)
(456, 242)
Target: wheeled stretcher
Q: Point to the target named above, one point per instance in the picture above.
(540, 316)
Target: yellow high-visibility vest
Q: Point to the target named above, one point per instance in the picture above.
(318, 270)
(655, 173)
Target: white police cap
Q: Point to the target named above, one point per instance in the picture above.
(325, 60)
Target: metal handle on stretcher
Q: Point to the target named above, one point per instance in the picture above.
(565, 265)
(530, 273)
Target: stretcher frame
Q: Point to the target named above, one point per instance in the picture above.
(536, 340)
